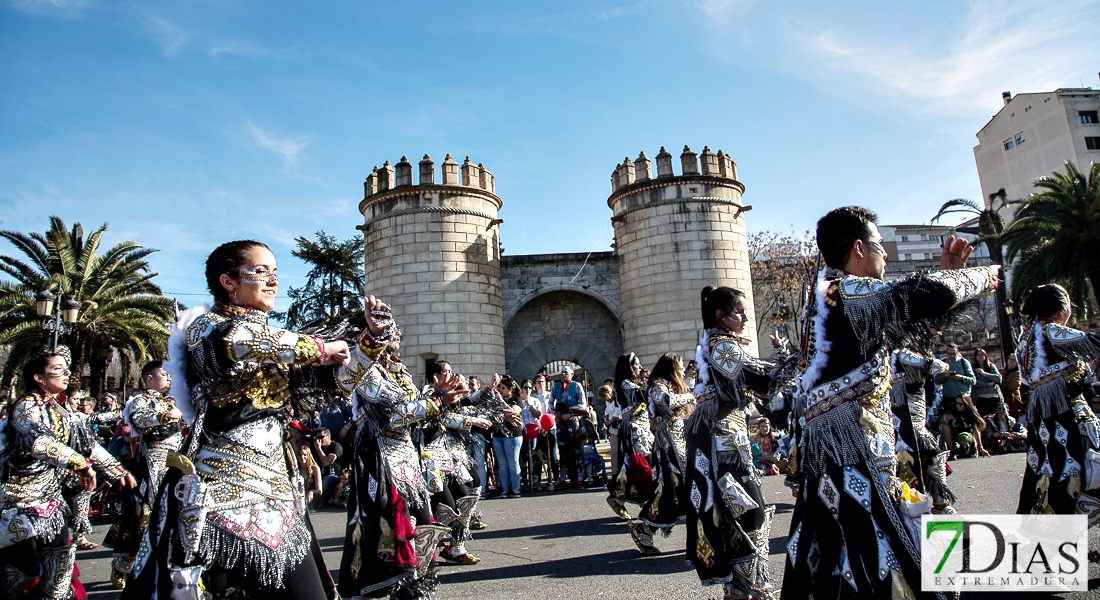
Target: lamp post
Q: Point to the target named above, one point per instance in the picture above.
(56, 318)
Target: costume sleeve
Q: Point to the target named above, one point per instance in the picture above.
(148, 412)
(259, 343)
(366, 351)
(414, 411)
(875, 307)
(1073, 343)
(29, 418)
(106, 464)
(455, 420)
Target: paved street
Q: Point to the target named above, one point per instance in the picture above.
(570, 545)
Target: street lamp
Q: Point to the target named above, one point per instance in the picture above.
(56, 318)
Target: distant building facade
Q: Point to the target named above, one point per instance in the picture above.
(433, 253)
(1033, 135)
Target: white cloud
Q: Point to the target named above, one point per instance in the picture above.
(948, 59)
(287, 147)
(65, 8)
(1028, 46)
(170, 37)
(237, 48)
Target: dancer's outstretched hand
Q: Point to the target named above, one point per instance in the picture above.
(378, 315)
(956, 251)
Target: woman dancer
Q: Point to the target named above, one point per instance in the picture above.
(251, 535)
(450, 468)
(1063, 465)
(633, 480)
(669, 404)
(391, 538)
(44, 441)
(728, 522)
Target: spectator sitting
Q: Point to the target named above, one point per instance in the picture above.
(311, 473)
(1010, 387)
(961, 427)
(1002, 433)
(328, 458)
(766, 441)
(344, 490)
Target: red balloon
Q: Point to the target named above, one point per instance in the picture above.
(546, 421)
(530, 431)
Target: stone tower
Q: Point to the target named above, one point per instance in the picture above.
(675, 234)
(433, 254)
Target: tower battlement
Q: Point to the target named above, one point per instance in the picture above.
(390, 177)
(640, 170)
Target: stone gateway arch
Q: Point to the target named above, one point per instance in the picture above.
(433, 252)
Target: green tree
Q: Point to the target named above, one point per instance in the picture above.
(334, 284)
(121, 309)
(1056, 235)
(991, 226)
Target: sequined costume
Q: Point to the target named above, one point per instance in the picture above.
(633, 481)
(43, 441)
(1063, 446)
(390, 541)
(240, 520)
(728, 522)
(449, 474)
(849, 536)
(667, 410)
(921, 462)
(147, 415)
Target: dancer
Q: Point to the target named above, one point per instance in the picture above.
(391, 539)
(632, 480)
(1063, 454)
(43, 441)
(450, 472)
(727, 520)
(921, 463)
(153, 415)
(233, 513)
(669, 404)
(847, 536)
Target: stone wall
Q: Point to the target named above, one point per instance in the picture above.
(561, 307)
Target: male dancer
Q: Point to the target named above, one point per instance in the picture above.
(153, 415)
(847, 537)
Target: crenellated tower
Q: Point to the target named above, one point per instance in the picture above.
(675, 234)
(432, 252)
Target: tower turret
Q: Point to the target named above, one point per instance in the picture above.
(433, 253)
(674, 235)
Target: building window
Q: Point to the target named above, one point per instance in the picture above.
(1088, 117)
(1092, 143)
(905, 238)
(906, 256)
(1019, 138)
(1009, 144)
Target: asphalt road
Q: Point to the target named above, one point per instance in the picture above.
(570, 545)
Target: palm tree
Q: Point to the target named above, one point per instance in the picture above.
(1056, 235)
(120, 308)
(334, 286)
(990, 228)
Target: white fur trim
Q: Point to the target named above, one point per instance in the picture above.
(702, 363)
(1039, 362)
(809, 378)
(176, 365)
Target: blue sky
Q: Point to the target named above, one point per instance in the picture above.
(186, 124)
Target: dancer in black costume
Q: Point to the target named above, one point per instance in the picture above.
(1063, 445)
(728, 522)
(848, 537)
